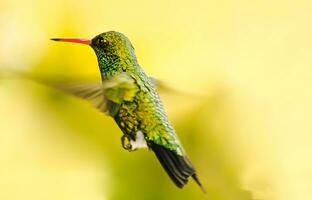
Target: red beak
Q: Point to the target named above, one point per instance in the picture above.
(74, 40)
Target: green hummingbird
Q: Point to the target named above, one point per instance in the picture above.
(129, 96)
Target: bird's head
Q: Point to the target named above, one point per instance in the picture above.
(114, 51)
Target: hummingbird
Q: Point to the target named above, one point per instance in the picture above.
(130, 97)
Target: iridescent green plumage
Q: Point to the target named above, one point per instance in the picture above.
(129, 96)
(140, 110)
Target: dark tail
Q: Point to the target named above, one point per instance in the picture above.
(179, 168)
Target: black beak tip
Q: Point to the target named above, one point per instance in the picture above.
(55, 39)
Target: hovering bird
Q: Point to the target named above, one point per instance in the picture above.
(129, 96)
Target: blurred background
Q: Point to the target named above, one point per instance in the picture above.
(244, 113)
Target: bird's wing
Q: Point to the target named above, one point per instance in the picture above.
(117, 89)
(89, 90)
(165, 88)
(120, 88)
(92, 92)
(106, 96)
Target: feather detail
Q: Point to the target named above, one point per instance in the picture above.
(178, 167)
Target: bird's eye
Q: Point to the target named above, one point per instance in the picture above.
(102, 42)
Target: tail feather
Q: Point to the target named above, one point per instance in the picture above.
(179, 168)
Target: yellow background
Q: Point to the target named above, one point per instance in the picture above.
(245, 117)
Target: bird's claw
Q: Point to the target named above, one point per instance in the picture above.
(125, 142)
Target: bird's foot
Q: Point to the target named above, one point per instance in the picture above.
(126, 143)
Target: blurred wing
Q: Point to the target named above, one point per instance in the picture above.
(91, 92)
(165, 88)
(106, 96)
(118, 89)
(160, 85)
